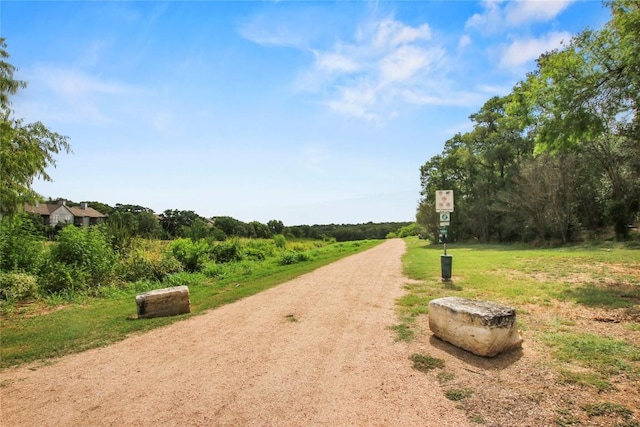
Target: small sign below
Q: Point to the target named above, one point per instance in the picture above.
(445, 217)
(444, 201)
(444, 223)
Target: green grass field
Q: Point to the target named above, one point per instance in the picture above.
(595, 277)
(579, 306)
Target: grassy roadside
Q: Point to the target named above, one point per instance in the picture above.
(579, 308)
(41, 334)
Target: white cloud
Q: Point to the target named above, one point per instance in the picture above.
(524, 50)
(518, 12)
(404, 63)
(390, 33)
(465, 40)
(498, 15)
(489, 20)
(69, 94)
(74, 84)
(355, 102)
(384, 66)
(334, 61)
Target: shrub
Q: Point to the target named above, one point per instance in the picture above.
(254, 254)
(85, 250)
(21, 246)
(18, 286)
(192, 255)
(141, 264)
(227, 251)
(56, 277)
(302, 256)
(265, 247)
(280, 241)
(288, 258)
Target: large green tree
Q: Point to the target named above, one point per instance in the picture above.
(560, 153)
(26, 149)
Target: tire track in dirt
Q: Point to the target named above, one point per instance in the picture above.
(315, 351)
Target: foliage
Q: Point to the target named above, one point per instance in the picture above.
(148, 263)
(26, 149)
(275, 227)
(409, 230)
(21, 246)
(192, 255)
(174, 222)
(228, 251)
(59, 277)
(290, 257)
(558, 153)
(83, 252)
(280, 241)
(18, 286)
(185, 279)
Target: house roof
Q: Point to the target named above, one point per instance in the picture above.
(90, 212)
(48, 208)
(40, 209)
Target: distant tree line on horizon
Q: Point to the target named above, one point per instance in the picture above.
(559, 156)
(129, 220)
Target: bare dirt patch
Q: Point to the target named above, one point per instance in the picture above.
(525, 387)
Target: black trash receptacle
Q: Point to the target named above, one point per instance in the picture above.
(446, 263)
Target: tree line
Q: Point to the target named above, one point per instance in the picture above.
(558, 156)
(126, 221)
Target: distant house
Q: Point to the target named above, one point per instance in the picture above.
(55, 213)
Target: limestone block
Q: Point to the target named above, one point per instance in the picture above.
(164, 302)
(482, 327)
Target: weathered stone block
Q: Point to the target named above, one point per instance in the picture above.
(482, 327)
(164, 302)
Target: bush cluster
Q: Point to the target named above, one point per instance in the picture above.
(88, 261)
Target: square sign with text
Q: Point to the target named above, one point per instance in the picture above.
(444, 201)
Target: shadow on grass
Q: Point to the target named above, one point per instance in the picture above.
(476, 247)
(449, 285)
(606, 296)
(496, 363)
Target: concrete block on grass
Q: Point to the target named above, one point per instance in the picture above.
(482, 327)
(164, 302)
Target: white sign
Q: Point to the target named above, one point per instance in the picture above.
(444, 201)
(444, 223)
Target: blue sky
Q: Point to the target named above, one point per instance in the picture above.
(306, 112)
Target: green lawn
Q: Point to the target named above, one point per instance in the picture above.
(603, 280)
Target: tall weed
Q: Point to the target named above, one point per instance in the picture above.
(82, 252)
(191, 254)
(21, 245)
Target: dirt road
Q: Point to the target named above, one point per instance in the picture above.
(315, 351)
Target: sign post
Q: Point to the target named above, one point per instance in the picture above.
(444, 206)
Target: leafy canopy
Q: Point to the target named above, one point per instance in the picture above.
(26, 149)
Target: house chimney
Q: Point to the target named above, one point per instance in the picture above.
(84, 205)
